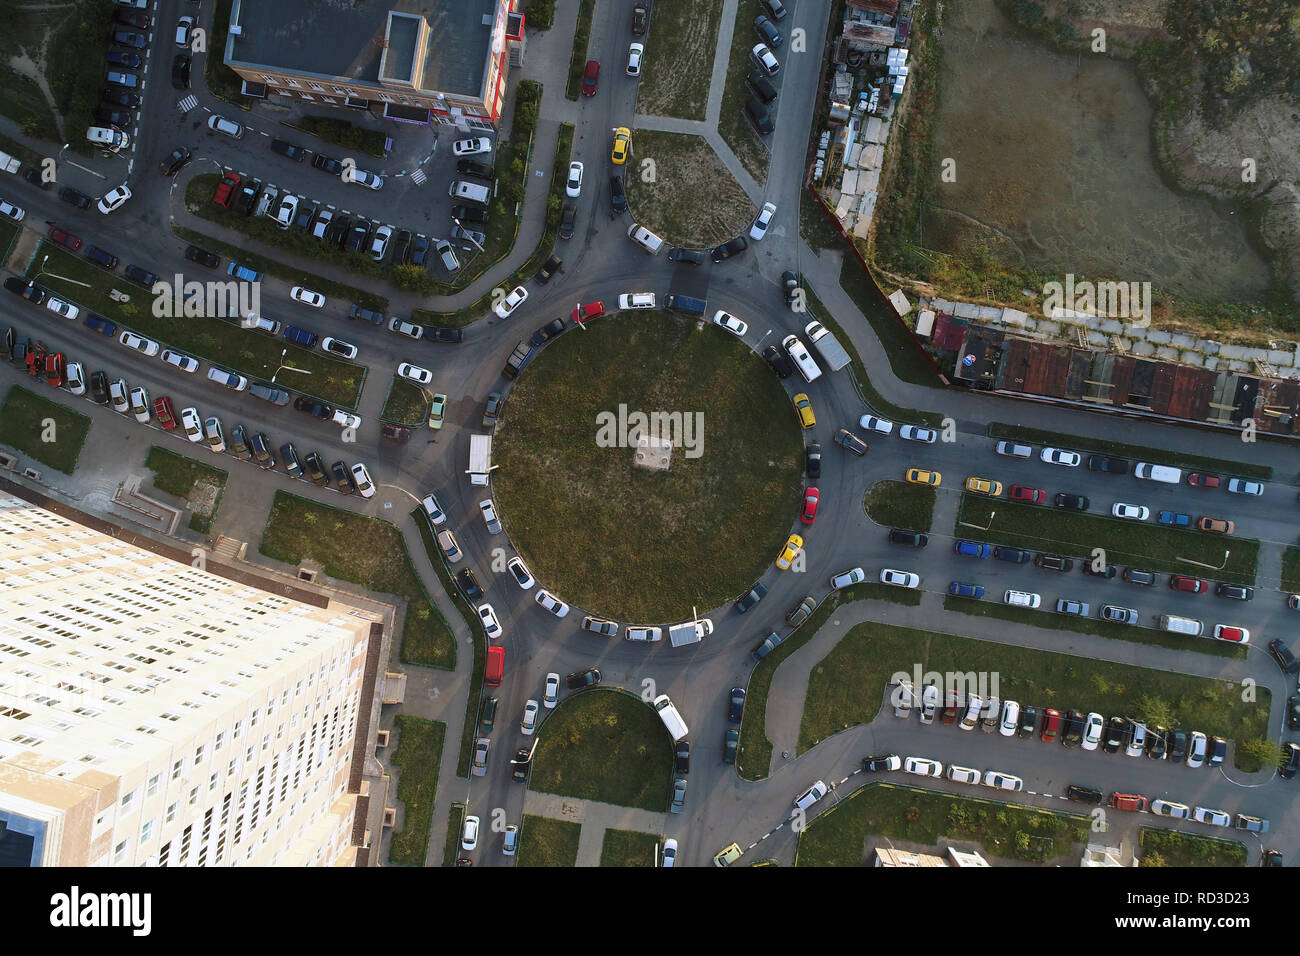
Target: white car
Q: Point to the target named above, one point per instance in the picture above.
(59, 307)
(1229, 632)
(510, 840)
(219, 124)
(1196, 748)
(974, 706)
(1137, 740)
(140, 404)
(1093, 726)
(186, 363)
(365, 487)
(74, 378)
(490, 622)
(434, 510)
(118, 397)
(670, 853)
(379, 244)
(1002, 781)
(414, 373)
(1010, 722)
(916, 433)
(471, 147)
(810, 796)
(529, 723)
(846, 578)
(489, 516)
(514, 300)
(1059, 456)
(870, 423)
(764, 219)
(287, 210)
(573, 187)
(114, 198)
(634, 54)
(469, 834)
(1135, 512)
(346, 419)
(213, 435)
(765, 58)
(904, 579)
(549, 601)
(139, 343)
(1169, 808)
(645, 634)
(409, 329)
(551, 693)
(338, 347)
(183, 27)
(519, 571)
(1240, 486)
(929, 703)
(730, 323)
(192, 423)
(923, 767)
(307, 297)
(364, 177)
(11, 211)
(963, 774)
(1214, 818)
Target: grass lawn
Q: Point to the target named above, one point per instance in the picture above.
(1142, 544)
(733, 125)
(406, 404)
(578, 56)
(191, 480)
(692, 200)
(50, 432)
(8, 232)
(1137, 452)
(566, 501)
(547, 842)
(1161, 847)
(365, 551)
(754, 756)
(629, 848)
(74, 64)
(455, 821)
(677, 68)
(847, 686)
(900, 504)
(224, 343)
(418, 754)
(837, 837)
(342, 133)
(905, 356)
(605, 745)
(1291, 570)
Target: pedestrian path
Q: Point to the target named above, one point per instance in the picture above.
(595, 818)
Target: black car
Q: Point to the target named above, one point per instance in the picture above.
(202, 257)
(288, 150)
(316, 469)
(551, 267)
(778, 361)
(1282, 654)
(736, 705)
(401, 247)
(691, 257)
(790, 282)
(750, 598)
(261, 446)
(548, 331)
(1177, 745)
(8, 342)
(1218, 750)
(617, 197)
(477, 215)
(1293, 712)
(99, 388)
(469, 584)
(1108, 571)
(682, 757)
(1028, 721)
(181, 71)
(107, 116)
(640, 16)
(445, 336)
(730, 248)
(101, 257)
(1070, 502)
(879, 763)
(1116, 733)
(239, 442)
(246, 199)
(175, 161)
(1238, 592)
(519, 766)
(1113, 466)
(312, 407)
(130, 61)
(122, 98)
(580, 679)
(1071, 728)
(1157, 746)
(78, 199)
(419, 250)
(1015, 555)
(812, 459)
(472, 168)
(142, 276)
(343, 478)
(290, 458)
(27, 289)
(1083, 794)
(358, 238)
(1053, 562)
(130, 39)
(568, 219)
(767, 31)
(327, 164)
(913, 539)
(1288, 769)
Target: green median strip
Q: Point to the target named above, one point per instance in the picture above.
(578, 58)
(900, 504)
(1164, 847)
(406, 404)
(49, 431)
(1291, 570)
(418, 755)
(547, 842)
(199, 484)
(1155, 456)
(629, 848)
(455, 823)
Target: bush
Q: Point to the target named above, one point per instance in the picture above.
(540, 14)
(345, 134)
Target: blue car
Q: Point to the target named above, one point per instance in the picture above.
(972, 549)
(299, 336)
(1175, 518)
(243, 272)
(737, 705)
(957, 589)
(100, 324)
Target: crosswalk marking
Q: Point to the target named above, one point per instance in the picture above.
(188, 103)
(418, 177)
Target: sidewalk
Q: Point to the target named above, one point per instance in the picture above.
(595, 817)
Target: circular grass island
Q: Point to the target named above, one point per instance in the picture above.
(634, 543)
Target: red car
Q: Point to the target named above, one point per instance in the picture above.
(225, 193)
(55, 364)
(35, 360)
(163, 411)
(591, 310)
(1198, 480)
(810, 499)
(1128, 801)
(1183, 582)
(590, 77)
(1035, 496)
(64, 239)
(1051, 724)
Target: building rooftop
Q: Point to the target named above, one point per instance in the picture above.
(344, 38)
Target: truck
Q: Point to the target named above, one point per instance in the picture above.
(8, 163)
(689, 632)
(685, 303)
(480, 459)
(826, 346)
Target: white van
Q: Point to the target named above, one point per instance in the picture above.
(636, 300)
(1012, 450)
(663, 705)
(1181, 625)
(471, 192)
(644, 238)
(112, 139)
(1170, 476)
(231, 380)
(798, 353)
(1021, 599)
(263, 324)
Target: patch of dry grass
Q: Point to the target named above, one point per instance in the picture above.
(692, 199)
(678, 64)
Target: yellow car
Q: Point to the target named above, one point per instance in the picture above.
(793, 545)
(728, 856)
(919, 477)
(804, 407)
(984, 486)
(622, 145)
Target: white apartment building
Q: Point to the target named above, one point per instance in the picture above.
(155, 714)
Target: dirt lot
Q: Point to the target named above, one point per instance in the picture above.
(692, 200)
(679, 59)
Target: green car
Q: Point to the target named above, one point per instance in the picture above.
(729, 750)
(437, 410)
